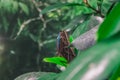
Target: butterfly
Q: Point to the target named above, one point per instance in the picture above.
(62, 46)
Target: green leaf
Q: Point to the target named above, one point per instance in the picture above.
(59, 5)
(76, 21)
(116, 73)
(81, 28)
(56, 60)
(118, 78)
(93, 3)
(24, 8)
(111, 24)
(70, 39)
(95, 63)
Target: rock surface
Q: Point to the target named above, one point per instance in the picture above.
(88, 38)
(31, 76)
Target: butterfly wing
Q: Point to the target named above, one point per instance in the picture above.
(62, 49)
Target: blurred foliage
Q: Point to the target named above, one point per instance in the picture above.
(27, 35)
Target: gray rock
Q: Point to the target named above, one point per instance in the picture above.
(30, 76)
(88, 38)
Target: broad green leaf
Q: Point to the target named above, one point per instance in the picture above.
(81, 29)
(24, 8)
(111, 24)
(105, 6)
(93, 3)
(78, 10)
(116, 73)
(59, 5)
(118, 78)
(95, 63)
(56, 60)
(76, 21)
